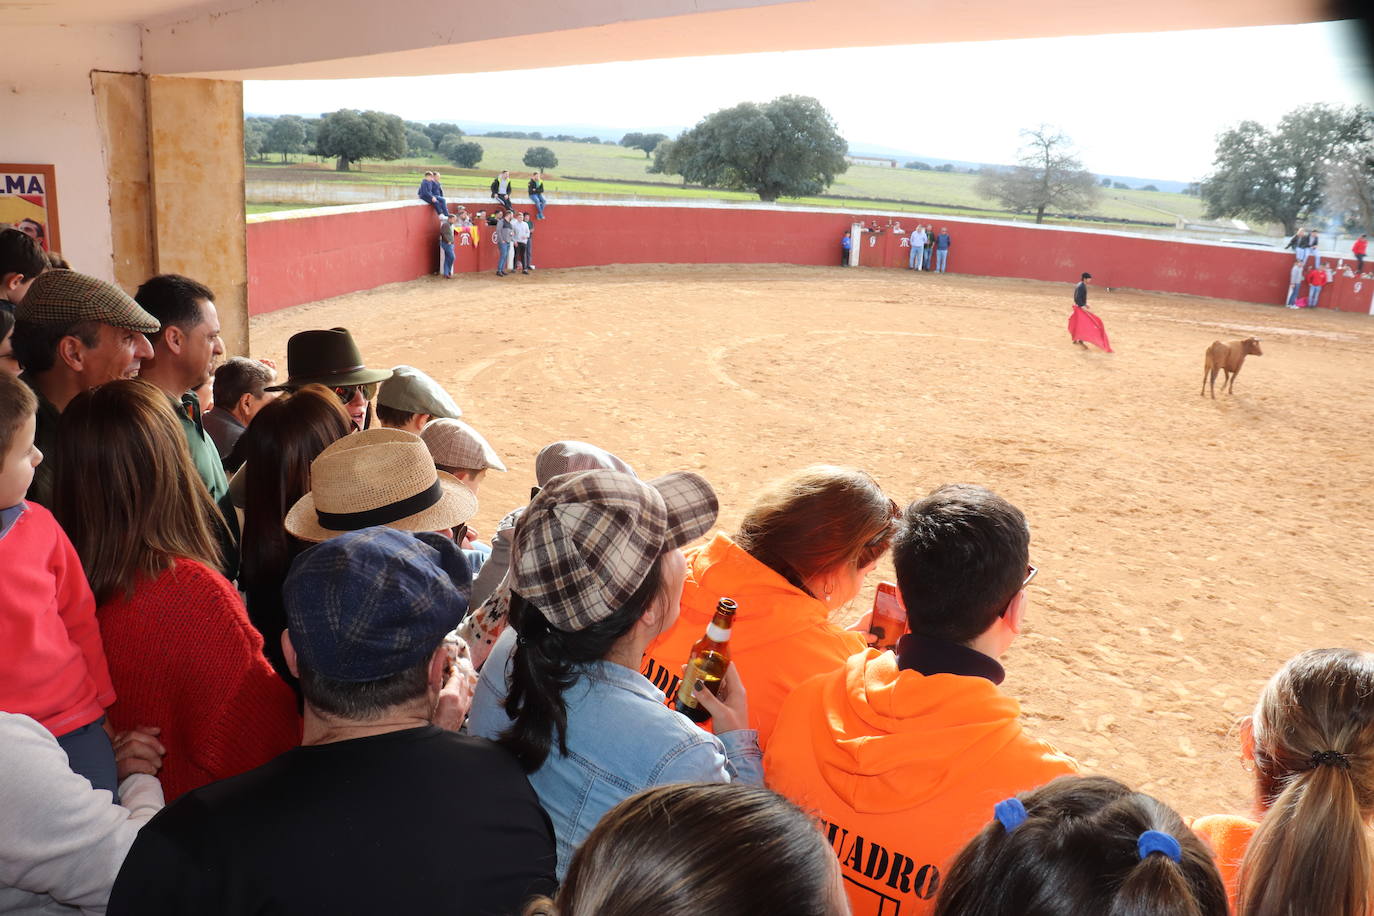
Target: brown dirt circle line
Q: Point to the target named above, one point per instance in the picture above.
(1186, 546)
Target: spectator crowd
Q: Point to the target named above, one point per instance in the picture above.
(512, 230)
(257, 661)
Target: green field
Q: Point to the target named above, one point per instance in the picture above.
(586, 169)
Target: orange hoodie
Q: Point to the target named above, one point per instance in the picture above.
(1229, 836)
(903, 769)
(781, 636)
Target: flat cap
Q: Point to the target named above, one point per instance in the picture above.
(65, 296)
(454, 444)
(412, 391)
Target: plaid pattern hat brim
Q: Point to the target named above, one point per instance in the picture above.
(369, 604)
(587, 541)
(65, 296)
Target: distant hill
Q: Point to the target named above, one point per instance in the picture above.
(855, 148)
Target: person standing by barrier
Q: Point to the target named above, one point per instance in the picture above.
(504, 237)
(536, 189)
(1316, 279)
(521, 231)
(1359, 249)
(846, 244)
(941, 250)
(446, 246)
(1294, 285)
(918, 246)
(928, 248)
(529, 241)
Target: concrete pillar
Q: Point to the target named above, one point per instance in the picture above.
(174, 155)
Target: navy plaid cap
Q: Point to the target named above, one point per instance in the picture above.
(587, 541)
(372, 603)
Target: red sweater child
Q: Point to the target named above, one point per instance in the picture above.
(52, 665)
(1317, 276)
(186, 659)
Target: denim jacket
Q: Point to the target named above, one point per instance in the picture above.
(621, 739)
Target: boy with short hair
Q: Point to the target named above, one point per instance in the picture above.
(21, 260)
(55, 671)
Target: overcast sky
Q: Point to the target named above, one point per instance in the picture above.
(1148, 106)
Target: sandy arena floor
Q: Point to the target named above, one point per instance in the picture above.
(1186, 546)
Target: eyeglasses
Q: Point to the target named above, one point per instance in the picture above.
(1030, 574)
(346, 393)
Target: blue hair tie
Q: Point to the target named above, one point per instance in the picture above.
(1158, 841)
(1010, 813)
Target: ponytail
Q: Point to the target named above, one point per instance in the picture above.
(1171, 878)
(547, 661)
(1311, 851)
(1083, 844)
(1314, 744)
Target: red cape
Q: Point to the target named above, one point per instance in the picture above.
(1085, 326)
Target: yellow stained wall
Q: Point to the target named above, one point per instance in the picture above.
(174, 156)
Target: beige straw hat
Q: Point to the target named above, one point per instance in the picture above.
(378, 477)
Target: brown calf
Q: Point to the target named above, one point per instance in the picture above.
(1228, 358)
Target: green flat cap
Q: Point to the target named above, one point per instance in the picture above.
(66, 296)
(412, 391)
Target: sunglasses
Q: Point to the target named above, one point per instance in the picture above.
(346, 393)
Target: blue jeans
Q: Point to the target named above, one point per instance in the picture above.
(90, 754)
(446, 268)
(440, 205)
(911, 258)
(1313, 294)
(539, 204)
(1293, 293)
(941, 257)
(925, 259)
(504, 249)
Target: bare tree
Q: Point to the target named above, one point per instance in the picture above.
(1048, 176)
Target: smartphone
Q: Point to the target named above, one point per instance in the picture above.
(888, 622)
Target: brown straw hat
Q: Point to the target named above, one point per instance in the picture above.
(378, 477)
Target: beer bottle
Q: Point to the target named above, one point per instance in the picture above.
(708, 661)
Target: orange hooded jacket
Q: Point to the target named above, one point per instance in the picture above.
(781, 636)
(1229, 836)
(903, 769)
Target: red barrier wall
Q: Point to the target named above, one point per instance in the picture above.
(302, 259)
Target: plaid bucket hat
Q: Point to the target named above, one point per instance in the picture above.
(378, 477)
(65, 296)
(588, 540)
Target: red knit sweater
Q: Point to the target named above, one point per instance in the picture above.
(184, 657)
(52, 667)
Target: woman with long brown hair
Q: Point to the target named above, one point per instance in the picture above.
(801, 554)
(701, 849)
(1311, 744)
(182, 654)
(277, 448)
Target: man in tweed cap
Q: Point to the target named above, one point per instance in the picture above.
(367, 815)
(72, 333)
